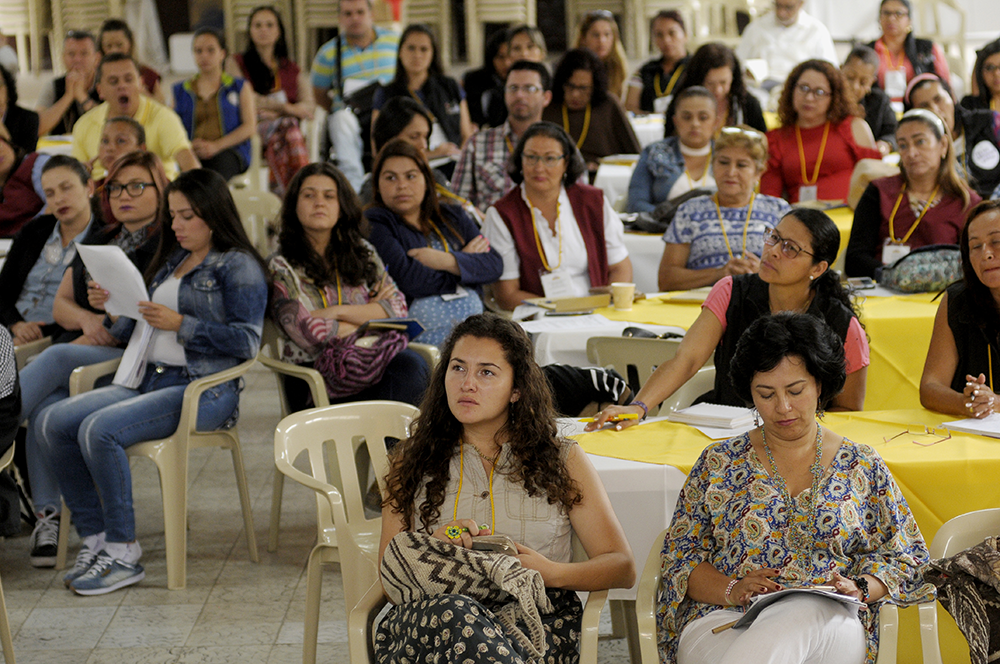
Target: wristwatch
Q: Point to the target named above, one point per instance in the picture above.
(862, 584)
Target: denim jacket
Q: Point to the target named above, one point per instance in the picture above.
(659, 166)
(223, 301)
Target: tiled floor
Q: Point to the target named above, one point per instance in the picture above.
(232, 610)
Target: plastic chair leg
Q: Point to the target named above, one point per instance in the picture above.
(276, 496)
(5, 638)
(65, 520)
(314, 585)
(173, 485)
(241, 485)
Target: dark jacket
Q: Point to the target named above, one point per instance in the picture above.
(23, 127)
(981, 129)
(977, 336)
(880, 116)
(440, 95)
(654, 81)
(482, 89)
(23, 254)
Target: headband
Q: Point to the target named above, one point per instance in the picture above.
(927, 116)
(916, 81)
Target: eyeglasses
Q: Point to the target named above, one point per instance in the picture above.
(134, 189)
(572, 87)
(818, 93)
(789, 248)
(927, 431)
(549, 160)
(888, 13)
(513, 89)
(990, 69)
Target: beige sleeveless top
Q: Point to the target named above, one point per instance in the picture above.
(529, 520)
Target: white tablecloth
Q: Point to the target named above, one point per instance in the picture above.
(648, 128)
(568, 345)
(645, 250)
(613, 180)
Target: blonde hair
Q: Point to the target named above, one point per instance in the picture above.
(748, 138)
(616, 62)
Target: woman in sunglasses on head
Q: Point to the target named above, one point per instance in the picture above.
(794, 276)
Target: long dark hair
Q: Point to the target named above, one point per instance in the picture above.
(708, 57)
(840, 106)
(400, 82)
(430, 208)
(397, 113)
(530, 431)
(347, 254)
(985, 94)
(585, 60)
(825, 247)
(209, 197)
(982, 297)
(260, 75)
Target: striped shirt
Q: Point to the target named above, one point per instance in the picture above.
(481, 172)
(375, 61)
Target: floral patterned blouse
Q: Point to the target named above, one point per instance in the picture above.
(730, 514)
(295, 296)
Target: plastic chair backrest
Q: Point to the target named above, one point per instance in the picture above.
(965, 530)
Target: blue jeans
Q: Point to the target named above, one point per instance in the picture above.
(85, 437)
(44, 382)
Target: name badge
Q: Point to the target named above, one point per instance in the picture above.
(457, 295)
(985, 155)
(895, 83)
(808, 193)
(660, 104)
(556, 284)
(893, 252)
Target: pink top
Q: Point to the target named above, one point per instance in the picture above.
(855, 346)
(884, 57)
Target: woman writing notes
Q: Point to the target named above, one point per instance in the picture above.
(795, 276)
(557, 238)
(964, 354)
(782, 506)
(488, 401)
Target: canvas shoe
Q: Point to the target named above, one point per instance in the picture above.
(84, 561)
(106, 575)
(45, 538)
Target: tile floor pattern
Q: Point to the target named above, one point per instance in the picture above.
(232, 610)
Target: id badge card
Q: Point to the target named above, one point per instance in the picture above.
(808, 193)
(660, 104)
(892, 252)
(457, 295)
(556, 284)
(895, 83)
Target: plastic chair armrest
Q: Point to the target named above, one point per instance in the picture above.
(645, 602)
(590, 625)
(431, 354)
(359, 623)
(25, 352)
(192, 393)
(83, 378)
(929, 643)
(888, 618)
(313, 378)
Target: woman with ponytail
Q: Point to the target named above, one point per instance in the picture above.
(794, 276)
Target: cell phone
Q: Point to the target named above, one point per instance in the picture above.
(494, 543)
(861, 283)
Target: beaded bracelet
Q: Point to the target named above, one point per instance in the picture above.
(645, 408)
(729, 589)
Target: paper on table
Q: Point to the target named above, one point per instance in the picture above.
(558, 323)
(111, 268)
(716, 433)
(987, 426)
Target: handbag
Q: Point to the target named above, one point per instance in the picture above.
(355, 362)
(923, 270)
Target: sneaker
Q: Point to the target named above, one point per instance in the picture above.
(84, 561)
(107, 574)
(45, 538)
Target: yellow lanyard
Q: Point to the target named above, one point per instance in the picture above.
(670, 83)
(538, 240)
(704, 176)
(440, 235)
(586, 124)
(443, 191)
(819, 158)
(510, 146)
(461, 476)
(746, 226)
(989, 359)
(993, 104)
(421, 102)
(895, 208)
(322, 294)
(888, 56)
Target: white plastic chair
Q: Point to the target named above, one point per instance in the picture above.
(171, 458)
(79, 15)
(5, 638)
(645, 612)
(25, 352)
(637, 359)
(955, 535)
(257, 208)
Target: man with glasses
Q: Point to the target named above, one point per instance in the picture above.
(783, 39)
(62, 103)
(481, 173)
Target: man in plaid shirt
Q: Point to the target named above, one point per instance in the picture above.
(481, 173)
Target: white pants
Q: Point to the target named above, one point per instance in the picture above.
(797, 630)
(345, 137)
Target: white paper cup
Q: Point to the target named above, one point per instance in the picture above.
(622, 293)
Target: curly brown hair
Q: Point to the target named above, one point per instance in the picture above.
(425, 457)
(840, 106)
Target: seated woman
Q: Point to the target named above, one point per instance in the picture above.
(119, 136)
(820, 140)
(901, 55)
(714, 66)
(598, 33)
(859, 71)
(43, 249)
(132, 197)
(21, 196)
(986, 74)
(282, 93)
(678, 164)
(975, 133)
(937, 200)
(329, 282)
(419, 75)
(217, 110)
(484, 86)
(434, 252)
(406, 119)
(116, 37)
(208, 298)
(489, 396)
(557, 238)
(779, 507)
(583, 107)
(795, 275)
(958, 373)
(652, 86)
(20, 124)
(723, 234)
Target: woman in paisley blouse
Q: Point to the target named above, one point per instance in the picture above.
(747, 522)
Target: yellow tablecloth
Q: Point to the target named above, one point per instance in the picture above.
(899, 332)
(844, 218)
(939, 481)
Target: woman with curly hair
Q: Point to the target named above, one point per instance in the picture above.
(598, 33)
(488, 398)
(821, 138)
(328, 283)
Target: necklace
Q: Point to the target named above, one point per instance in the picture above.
(801, 531)
(895, 208)
(696, 152)
(461, 476)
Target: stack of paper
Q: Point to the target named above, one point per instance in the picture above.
(714, 415)
(987, 426)
(758, 603)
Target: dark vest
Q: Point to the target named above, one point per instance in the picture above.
(980, 127)
(443, 98)
(648, 74)
(920, 53)
(749, 302)
(973, 335)
(75, 110)
(588, 208)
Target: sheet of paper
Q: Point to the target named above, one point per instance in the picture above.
(988, 426)
(722, 434)
(111, 268)
(133, 365)
(557, 323)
